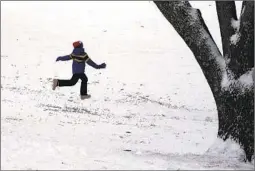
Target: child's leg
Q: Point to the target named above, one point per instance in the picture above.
(84, 81)
(71, 82)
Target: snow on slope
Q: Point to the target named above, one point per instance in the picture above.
(150, 109)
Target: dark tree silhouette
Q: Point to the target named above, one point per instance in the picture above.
(229, 76)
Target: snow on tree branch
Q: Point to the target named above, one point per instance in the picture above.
(189, 24)
(242, 83)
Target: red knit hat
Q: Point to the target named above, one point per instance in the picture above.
(77, 44)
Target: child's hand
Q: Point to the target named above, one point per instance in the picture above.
(103, 65)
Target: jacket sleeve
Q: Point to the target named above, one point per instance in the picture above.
(92, 64)
(64, 58)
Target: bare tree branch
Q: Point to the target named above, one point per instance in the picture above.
(190, 25)
(226, 11)
(247, 31)
(244, 50)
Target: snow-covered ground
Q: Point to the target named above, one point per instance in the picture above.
(151, 108)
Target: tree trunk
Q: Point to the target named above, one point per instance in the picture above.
(229, 76)
(237, 101)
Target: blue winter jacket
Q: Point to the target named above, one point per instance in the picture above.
(79, 57)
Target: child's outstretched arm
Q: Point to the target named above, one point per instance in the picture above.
(94, 65)
(63, 58)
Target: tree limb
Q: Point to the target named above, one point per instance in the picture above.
(247, 31)
(226, 11)
(244, 50)
(190, 25)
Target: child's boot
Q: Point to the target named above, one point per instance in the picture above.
(55, 84)
(85, 96)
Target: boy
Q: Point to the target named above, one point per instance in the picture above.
(79, 57)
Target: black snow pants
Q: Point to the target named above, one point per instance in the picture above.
(74, 80)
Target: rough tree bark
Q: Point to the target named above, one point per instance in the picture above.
(229, 76)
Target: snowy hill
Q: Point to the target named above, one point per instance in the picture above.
(151, 108)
